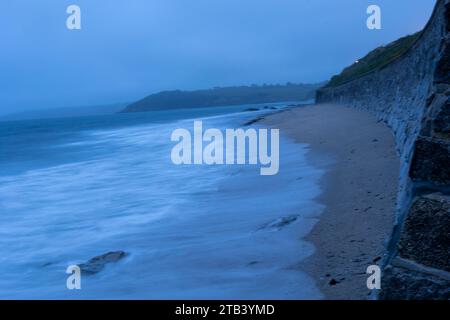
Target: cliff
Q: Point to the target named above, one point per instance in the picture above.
(226, 96)
(411, 94)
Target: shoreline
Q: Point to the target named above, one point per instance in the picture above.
(359, 192)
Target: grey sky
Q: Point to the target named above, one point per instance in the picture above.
(130, 48)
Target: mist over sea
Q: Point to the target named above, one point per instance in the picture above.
(75, 188)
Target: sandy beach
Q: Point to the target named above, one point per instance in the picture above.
(359, 192)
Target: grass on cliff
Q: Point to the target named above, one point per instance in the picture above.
(376, 59)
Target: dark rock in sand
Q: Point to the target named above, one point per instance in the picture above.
(96, 264)
(333, 282)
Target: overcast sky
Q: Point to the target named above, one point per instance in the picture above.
(127, 49)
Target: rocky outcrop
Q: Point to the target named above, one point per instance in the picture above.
(98, 263)
(412, 95)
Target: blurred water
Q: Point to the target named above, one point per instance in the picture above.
(71, 189)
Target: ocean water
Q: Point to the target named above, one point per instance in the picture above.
(73, 189)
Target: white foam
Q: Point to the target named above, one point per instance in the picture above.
(192, 232)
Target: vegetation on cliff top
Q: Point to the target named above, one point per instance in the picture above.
(224, 97)
(376, 59)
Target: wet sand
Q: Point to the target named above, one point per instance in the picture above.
(359, 192)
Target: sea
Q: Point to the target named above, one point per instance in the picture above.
(72, 189)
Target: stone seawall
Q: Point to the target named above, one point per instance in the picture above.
(412, 95)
